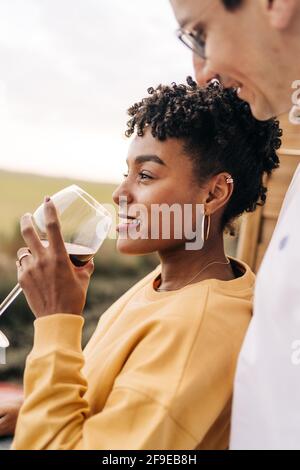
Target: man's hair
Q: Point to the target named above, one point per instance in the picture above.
(219, 134)
(232, 4)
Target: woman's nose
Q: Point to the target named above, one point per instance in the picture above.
(123, 193)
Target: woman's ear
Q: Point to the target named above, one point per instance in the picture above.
(220, 191)
(281, 13)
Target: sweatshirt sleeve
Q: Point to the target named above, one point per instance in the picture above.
(56, 415)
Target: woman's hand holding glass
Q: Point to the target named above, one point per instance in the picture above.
(50, 281)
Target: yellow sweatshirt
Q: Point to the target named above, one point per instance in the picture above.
(157, 373)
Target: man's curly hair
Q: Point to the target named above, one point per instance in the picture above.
(219, 134)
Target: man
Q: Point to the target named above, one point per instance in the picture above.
(254, 45)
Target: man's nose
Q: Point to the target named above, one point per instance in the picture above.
(203, 72)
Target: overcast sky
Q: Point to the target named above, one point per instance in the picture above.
(69, 69)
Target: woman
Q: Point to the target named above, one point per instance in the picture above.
(158, 371)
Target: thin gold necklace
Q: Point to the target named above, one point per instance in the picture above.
(205, 267)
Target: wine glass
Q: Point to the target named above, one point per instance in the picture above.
(84, 224)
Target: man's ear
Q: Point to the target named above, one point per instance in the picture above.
(281, 12)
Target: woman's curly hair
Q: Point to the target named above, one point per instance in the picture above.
(219, 134)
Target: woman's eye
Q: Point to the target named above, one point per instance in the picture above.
(141, 175)
(145, 175)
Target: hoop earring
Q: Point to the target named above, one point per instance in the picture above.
(208, 227)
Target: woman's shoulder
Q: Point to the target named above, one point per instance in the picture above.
(229, 306)
(241, 285)
(221, 305)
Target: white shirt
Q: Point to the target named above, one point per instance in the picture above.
(266, 404)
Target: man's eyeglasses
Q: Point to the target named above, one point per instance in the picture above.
(193, 41)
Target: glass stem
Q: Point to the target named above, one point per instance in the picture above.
(10, 298)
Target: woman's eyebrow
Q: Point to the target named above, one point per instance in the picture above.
(148, 158)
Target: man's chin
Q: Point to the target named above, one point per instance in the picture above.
(262, 111)
(260, 107)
